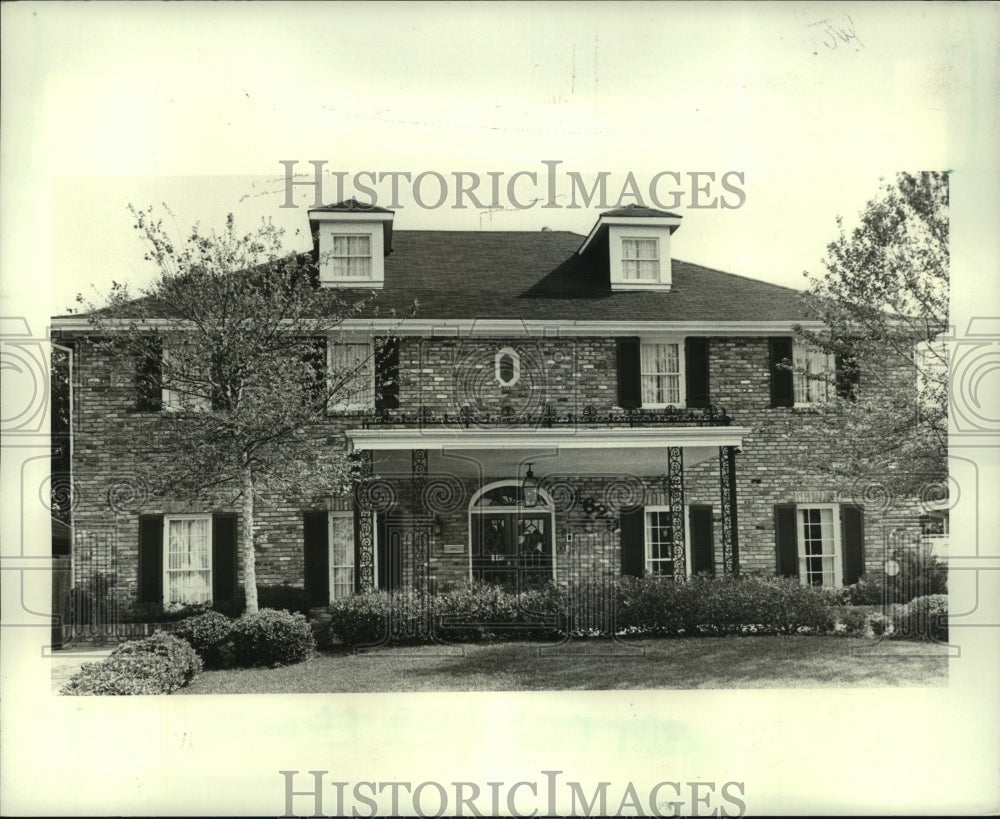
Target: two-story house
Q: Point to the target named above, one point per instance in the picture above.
(560, 407)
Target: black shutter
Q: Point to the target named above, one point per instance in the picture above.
(629, 374)
(223, 557)
(786, 539)
(702, 540)
(782, 386)
(149, 378)
(847, 376)
(633, 540)
(315, 357)
(852, 530)
(151, 559)
(386, 374)
(316, 558)
(696, 371)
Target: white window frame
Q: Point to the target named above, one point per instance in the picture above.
(637, 260)
(648, 559)
(333, 567)
(171, 400)
(335, 257)
(681, 387)
(167, 520)
(515, 357)
(812, 390)
(369, 399)
(837, 555)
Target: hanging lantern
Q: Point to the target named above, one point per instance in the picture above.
(529, 489)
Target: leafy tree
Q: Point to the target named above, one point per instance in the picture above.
(884, 298)
(240, 362)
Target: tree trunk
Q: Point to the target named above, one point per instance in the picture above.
(249, 553)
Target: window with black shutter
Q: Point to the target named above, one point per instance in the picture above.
(786, 540)
(316, 558)
(633, 542)
(629, 374)
(782, 383)
(224, 571)
(702, 539)
(149, 377)
(315, 359)
(852, 532)
(846, 376)
(151, 559)
(696, 372)
(386, 374)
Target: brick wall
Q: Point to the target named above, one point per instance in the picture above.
(781, 461)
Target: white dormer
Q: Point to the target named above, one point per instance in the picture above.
(636, 240)
(351, 240)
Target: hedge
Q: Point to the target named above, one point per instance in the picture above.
(625, 606)
(155, 665)
(268, 638)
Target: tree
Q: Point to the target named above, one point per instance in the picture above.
(240, 365)
(884, 300)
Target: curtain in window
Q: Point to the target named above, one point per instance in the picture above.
(661, 379)
(188, 572)
(341, 556)
(640, 259)
(351, 257)
(354, 366)
(812, 369)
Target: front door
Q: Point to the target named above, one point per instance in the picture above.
(512, 549)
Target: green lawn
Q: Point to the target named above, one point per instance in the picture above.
(696, 662)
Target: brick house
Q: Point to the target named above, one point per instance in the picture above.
(560, 407)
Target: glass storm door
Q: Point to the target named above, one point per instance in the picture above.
(512, 549)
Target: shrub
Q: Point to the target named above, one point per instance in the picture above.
(866, 592)
(154, 665)
(268, 638)
(378, 617)
(923, 618)
(283, 597)
(206, 633)
(860, 621)
(138, 674)
(184, 660)
(485, 611)
(920, 573)
(724, 605)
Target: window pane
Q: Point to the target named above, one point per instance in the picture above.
(341, 556)
(353, 367)
(188, 572)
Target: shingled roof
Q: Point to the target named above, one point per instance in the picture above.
(539, 276)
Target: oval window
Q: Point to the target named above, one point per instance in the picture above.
(508, 367)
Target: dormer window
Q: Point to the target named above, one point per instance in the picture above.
(635, 244)
(640, 259)
(351, 256)
(351, 242)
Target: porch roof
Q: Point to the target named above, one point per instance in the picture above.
(512, 439)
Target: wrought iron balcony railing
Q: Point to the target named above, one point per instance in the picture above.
(547, 418)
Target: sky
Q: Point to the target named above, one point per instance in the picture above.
(195, 112)
(196, 104)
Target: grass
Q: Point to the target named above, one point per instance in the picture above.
(695, 662)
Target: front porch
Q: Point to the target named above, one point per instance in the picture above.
(438, 506)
